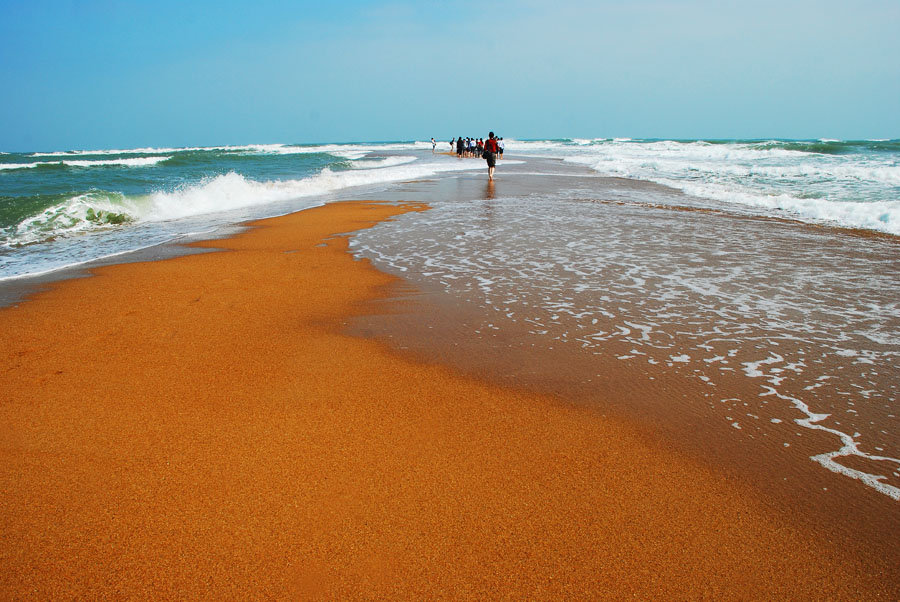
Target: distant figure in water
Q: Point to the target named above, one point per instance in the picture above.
(433, 144)
(490, 154)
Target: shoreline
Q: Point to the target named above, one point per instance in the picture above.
(425, 325)
(203, 426)
(463, 318)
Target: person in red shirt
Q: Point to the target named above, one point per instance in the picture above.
(490, 154)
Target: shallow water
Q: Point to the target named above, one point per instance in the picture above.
(854, 184)
(792, 330)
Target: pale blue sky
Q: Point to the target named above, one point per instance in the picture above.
(107, 73)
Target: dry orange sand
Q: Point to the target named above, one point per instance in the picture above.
(201, 428)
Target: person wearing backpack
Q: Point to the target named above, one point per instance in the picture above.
(490, 154)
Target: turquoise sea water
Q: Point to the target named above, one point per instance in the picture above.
(59, 209)
(64, 208)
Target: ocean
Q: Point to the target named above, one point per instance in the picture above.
(852, 184)
(767, 266)
(64, 208)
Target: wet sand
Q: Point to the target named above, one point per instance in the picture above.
(467, 304)
(204, 428)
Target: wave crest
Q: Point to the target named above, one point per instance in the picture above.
(216, 194)
(129, 162)
(80, 213)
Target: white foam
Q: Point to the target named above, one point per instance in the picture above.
(351, 155)
(381, 162)
(232, 191)
(259, 148)
(134, 151)
(788, 179)
(349, 151)
(69, 217)
(849, 447)
(534, 147)
(281, 149)
(18, 165)
(213, 195)
(882, 216)
(751, 369)
(73, 264)
(131, 162)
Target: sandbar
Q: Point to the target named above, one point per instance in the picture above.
(205, 427)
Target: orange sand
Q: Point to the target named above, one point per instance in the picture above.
(201, 428)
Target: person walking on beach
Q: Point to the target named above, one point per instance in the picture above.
(490, 154)
(500, 146)
(433, 144)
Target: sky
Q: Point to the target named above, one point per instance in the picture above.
(91, 74)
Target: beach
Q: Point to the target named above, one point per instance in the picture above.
(252, 423)
(284, 317)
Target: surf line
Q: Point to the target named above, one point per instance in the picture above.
(850, 447)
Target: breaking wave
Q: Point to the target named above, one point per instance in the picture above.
(853, 184)
(216, 194)
(129, 162)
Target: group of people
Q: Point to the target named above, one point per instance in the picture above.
(471, 147)
(490, 150)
